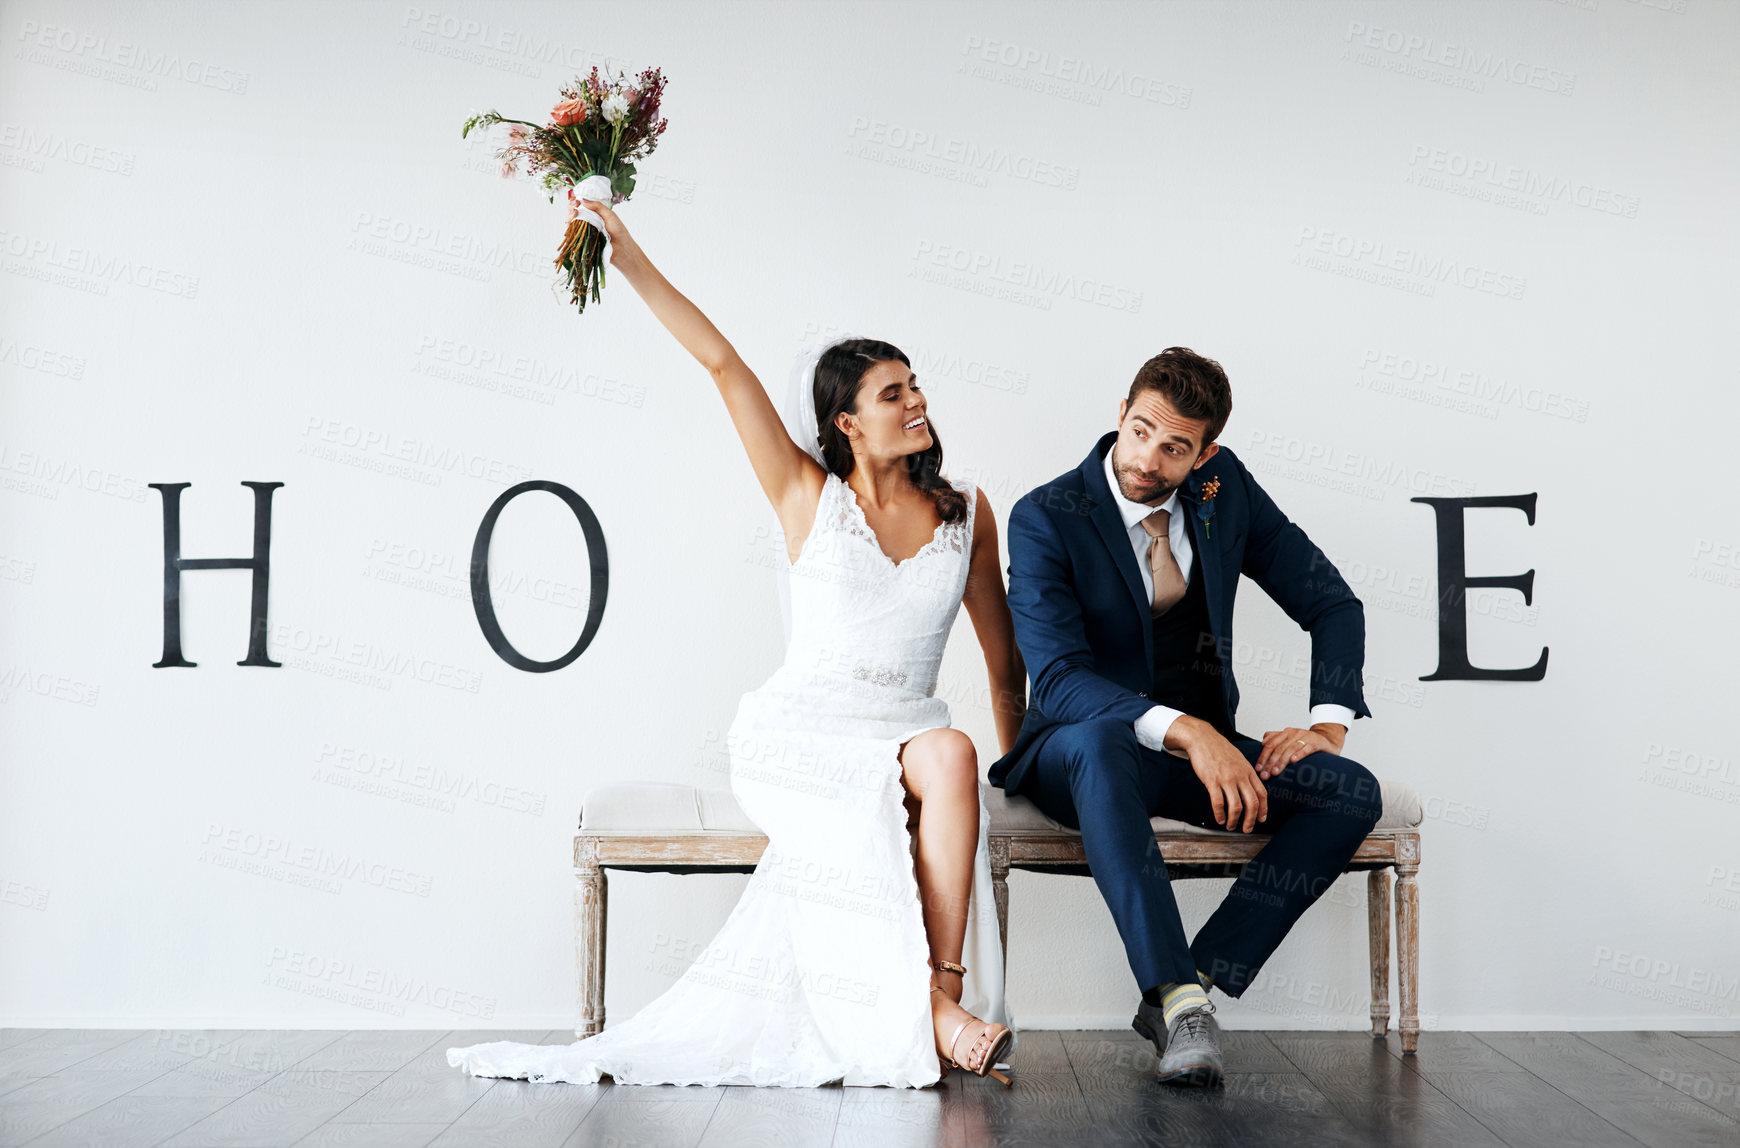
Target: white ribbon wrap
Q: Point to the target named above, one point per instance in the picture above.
(592, 187)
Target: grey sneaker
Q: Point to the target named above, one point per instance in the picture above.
(1192, 1054)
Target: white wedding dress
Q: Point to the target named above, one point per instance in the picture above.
(820, 972)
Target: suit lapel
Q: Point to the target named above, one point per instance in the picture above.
(1207, 550)
(1103, 512)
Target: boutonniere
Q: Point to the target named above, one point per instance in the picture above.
(1205, 506)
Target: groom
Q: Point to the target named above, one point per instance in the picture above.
(1121, 581)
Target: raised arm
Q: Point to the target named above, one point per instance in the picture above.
(790, 478)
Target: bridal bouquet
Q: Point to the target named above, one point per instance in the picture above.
(595, 133)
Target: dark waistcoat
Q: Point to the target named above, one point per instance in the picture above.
(1187, 667)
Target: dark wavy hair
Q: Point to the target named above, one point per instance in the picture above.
(839, 373)
(1196, 387)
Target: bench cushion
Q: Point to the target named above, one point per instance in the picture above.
(655, 807)
(661, 807)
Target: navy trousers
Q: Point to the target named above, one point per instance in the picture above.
(1096, 777)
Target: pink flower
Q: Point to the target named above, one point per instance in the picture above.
(517, 133)
(507, 170)
(568, 112)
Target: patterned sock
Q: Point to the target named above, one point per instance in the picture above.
(1207, 982)
(1174, 999)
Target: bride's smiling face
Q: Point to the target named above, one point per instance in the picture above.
(891, 419)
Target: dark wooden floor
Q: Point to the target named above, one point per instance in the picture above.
(82, 1087)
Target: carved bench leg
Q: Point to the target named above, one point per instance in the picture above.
(1377, 908)
(1408, 953)
(589, 913)
(999, 849)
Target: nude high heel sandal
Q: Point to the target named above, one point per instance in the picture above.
(990, 1044)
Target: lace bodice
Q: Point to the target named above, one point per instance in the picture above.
(858, 616)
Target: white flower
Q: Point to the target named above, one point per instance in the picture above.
(615, 107)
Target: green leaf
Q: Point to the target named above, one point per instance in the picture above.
(490, 117)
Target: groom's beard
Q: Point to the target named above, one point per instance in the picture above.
(1132, 488)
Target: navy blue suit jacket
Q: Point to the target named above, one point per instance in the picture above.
(1082, 620)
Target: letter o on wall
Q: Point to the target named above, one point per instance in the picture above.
(598, 560)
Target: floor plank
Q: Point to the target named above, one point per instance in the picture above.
(428, 1090)
(1682, 1064)
(131, 1121)
(215, 1062)
(1728, 1044)
(46, 1102)
(1129, 1105)
(410, 1096)
(279, 1112)
(518, 1114)
(1286, 1108)
(1519, 1107)
(647, 1116)
(370, 1136)
(56, 1049)
(893, 1118)
(1407, 1109)
(1380, 1093)
(1619, 1092)
(1340, 1054)
(1042, 1108)
(767, 1117)
(373, 1051)
(1037, 1050)
(1527, 1112)
(1144, 1112)
(334, 1089)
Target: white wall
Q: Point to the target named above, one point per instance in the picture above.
(194, 291)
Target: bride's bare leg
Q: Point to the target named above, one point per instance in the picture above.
(940, 769)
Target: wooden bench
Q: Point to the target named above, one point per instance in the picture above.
(666, 828)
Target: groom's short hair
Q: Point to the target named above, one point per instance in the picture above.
(1196, 387)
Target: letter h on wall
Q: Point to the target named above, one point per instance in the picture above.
(174, 564)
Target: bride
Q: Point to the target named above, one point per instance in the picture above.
(846, 959)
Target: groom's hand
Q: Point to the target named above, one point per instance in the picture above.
(1283, 747)
(1239, 798)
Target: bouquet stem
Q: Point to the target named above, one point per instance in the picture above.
(581, 258)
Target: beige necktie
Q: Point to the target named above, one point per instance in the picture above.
(1168, 579)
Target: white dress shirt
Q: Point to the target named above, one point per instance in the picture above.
(1151, 727)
